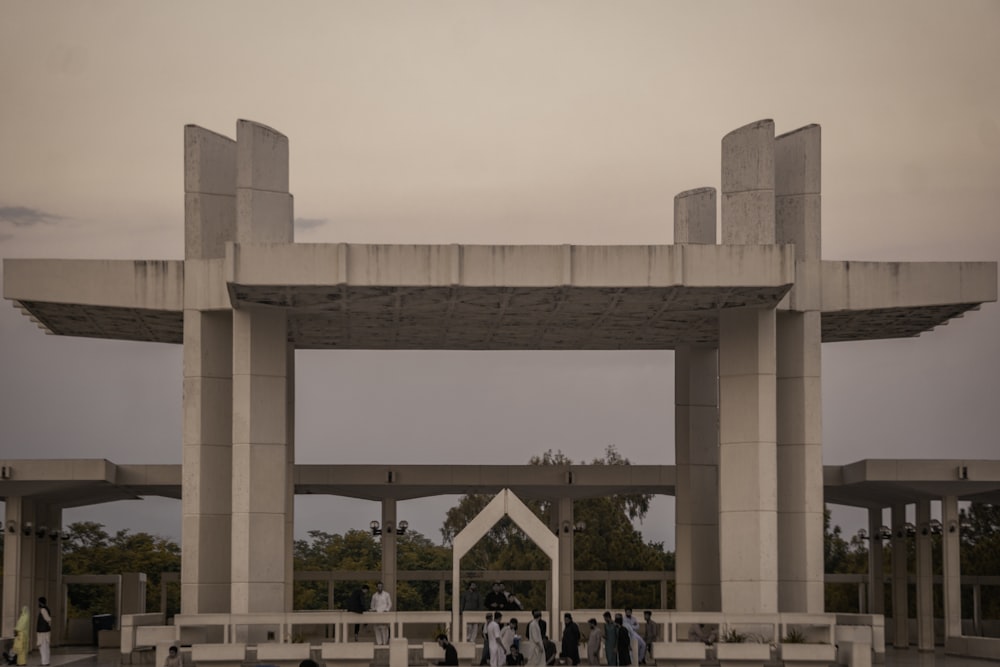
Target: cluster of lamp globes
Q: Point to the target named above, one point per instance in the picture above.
(400, 529)
(932, 527)
(28, 528)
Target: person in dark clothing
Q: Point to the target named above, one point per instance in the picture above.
(450, 654)
(486, 642)
(624, 641)
(570, 640)
(495, 599)
(358, 603)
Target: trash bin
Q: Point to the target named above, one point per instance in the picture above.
(102, 622)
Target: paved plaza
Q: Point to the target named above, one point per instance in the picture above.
(893, 658)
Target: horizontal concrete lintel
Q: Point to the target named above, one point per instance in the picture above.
(856, 286)
(510, 266)
(144, 284)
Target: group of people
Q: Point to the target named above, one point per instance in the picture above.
(43, 633)
(498, 599)
(618, 635)
(379, 602)
(503, 645)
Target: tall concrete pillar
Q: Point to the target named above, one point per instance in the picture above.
(18, 561)
(799, 385)
(951, 567)
(290, 476)
(696, 435)
(747, 470)
(389, 524)
(900, 596)
(564, 519)
(925, 579)
(748, 530)
(206, 498)
(260, 495)
(876, 581)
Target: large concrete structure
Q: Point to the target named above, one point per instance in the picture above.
(746, 317)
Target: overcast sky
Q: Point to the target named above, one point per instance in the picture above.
(500, 122)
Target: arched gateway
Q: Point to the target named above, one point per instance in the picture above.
(503, 504)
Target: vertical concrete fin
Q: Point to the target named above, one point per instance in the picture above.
(748, 184)
(263, 203)
(209, 193)
(797, 188)
(695, 216)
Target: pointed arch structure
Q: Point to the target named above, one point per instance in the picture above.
(505, 503)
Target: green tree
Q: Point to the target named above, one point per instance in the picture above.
(91, 550)
(359, 550)
(842, 557)
(980, 554)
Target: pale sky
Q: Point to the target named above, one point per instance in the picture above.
(492, 122)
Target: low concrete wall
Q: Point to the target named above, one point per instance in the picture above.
(987, 648)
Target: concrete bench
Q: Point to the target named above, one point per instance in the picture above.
(742, 654)
(218, 655)
(344, 653)
(283, 655)
(681, 654)
(468, 652)
(854, 654)
(807, 655)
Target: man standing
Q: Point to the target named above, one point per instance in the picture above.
(631, 620)
(471, 601)
(495, 599)
(43, 630)
(570, 640)
(381, 604)
(650, 634)
(485, 660)
(610, 639)
(357, 603)
(594, 643)
(498, 656)
(534, 650)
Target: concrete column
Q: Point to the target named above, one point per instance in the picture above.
(951, 567)
(748, 529)
(900, 597)
(290, 475)
(925, 579)
(389, 524)
(261, 458)
(696, 435)
(876, 582)
(799, 384)
(206, 497)
(564, 512)
(696, 429)
(747, 462)
(17, 574)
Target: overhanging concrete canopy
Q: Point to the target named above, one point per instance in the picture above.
(344, 296)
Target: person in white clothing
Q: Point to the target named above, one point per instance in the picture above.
(534, 647)
(498, 656)
(381, 603)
